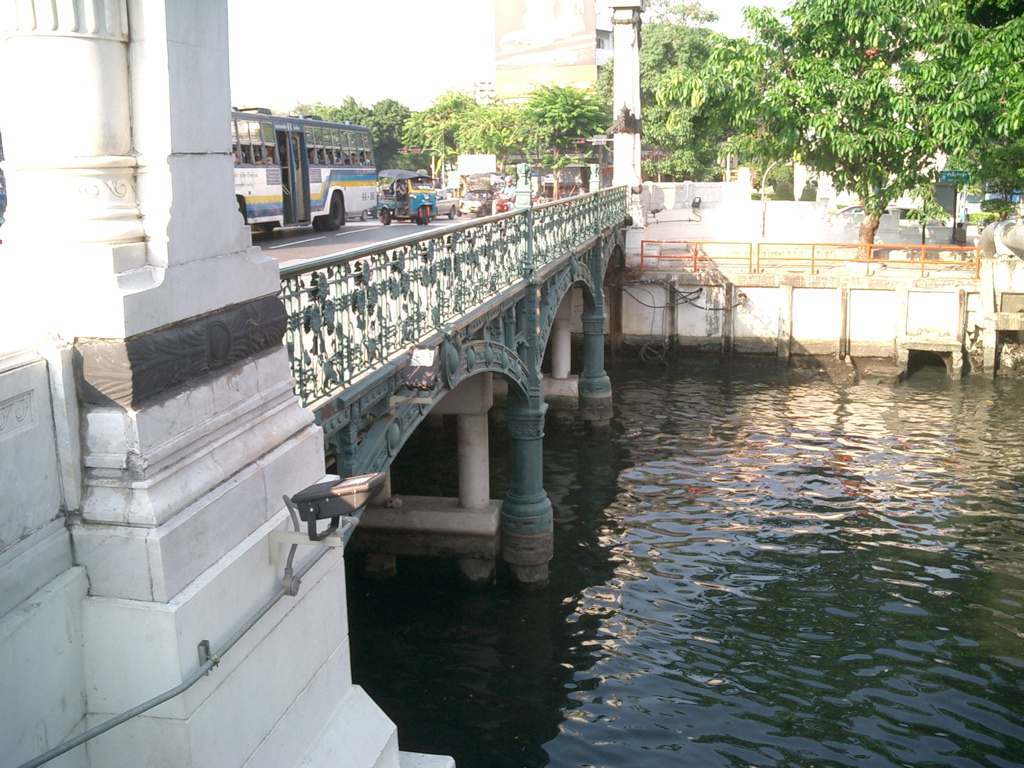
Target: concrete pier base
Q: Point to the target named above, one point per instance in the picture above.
(434, 527)
(562, 397)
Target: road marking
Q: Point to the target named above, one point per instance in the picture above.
(352, 231)
(297, 242)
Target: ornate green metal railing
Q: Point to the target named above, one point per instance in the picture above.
(350, 313)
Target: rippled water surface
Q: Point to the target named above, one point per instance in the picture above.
(749, 571)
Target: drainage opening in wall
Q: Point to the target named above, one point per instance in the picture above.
(1010, 353)
(922, 360)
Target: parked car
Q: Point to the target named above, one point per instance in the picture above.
(3, 197)
(448, 204)
(853, 214)
(858, 211)
(478, 202)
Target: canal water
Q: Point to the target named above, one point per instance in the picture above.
(751, 569)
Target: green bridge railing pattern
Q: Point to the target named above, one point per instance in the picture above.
(350, 313)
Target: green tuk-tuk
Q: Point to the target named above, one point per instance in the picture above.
(406, 195)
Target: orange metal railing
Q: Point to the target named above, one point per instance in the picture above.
(892, 260)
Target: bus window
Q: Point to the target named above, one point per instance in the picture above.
(269, 143)
(249, 137)
(335, 137)
(310, 151)
(235, 151)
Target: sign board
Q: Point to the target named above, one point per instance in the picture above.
(544, 42)
(945, 195)
(471, 164)
(958, 177)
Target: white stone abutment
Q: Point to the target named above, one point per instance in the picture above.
(971, 323)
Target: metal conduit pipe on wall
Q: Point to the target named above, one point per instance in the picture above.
(211, 660)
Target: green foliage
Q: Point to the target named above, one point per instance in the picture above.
(1001, 208)
(563, 113)
(560, 114)
(992, 13)
(348, 110)
(438, 126)
(677, 13)
(386, 121)
(1002, 168)
(496, 129)
(869, 91)
(672, 48)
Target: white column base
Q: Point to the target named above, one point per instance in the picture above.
(278, 696)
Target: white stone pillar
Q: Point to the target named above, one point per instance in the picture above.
(560, 348)
(123, 238)
(561, 389)
(626, 93)
(474, 462)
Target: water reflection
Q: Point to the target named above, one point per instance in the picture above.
(748, 572)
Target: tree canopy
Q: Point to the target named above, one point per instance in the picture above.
(676, 47)
(386, 121)
(437, 126)
(561, 114)
(872, 92)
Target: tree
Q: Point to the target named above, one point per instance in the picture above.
(1002, 173)
(675, 44)
(868, 91)
(497, 129)
(348, 110)
(437, 127)
(688, 140)
(561, 114)
(387, 123)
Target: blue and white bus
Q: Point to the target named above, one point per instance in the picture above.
(293, 171)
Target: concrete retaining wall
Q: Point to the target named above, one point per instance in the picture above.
(797, 314)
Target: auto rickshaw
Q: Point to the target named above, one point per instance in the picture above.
(406, 195)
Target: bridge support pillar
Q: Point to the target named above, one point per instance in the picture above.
(561, 390)
(595, 386)
(560, 346)
(474, 462)
(527, 523)
(475, 486)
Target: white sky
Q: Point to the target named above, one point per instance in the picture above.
(407, 50)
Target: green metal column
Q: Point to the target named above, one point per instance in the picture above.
(527, 523)
(595, 386)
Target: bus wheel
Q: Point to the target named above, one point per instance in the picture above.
(335, 217)
(385, 216)
(241, 209)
